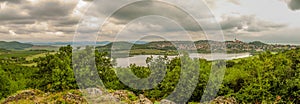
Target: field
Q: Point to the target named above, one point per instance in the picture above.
(31, 57)
(49, 48)
(19, 53)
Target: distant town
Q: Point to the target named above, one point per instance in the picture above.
(201, 46)
(159, 47)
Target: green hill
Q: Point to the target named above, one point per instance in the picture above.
(14, 45)
(258, 43)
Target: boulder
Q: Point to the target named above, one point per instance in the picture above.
(165, 101)
(24, 95)
(224, 100)
(143, 100)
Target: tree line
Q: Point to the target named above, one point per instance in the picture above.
(265, 78)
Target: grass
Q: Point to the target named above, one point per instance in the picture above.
(49, 48)
(19, 53)
(245, 58)
(36, 56)
(27, 54)
(39, 55)
(29, 65)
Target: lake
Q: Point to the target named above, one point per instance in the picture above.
(141, 59)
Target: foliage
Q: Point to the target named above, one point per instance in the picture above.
(265, 78)
(14, 78)
(56, 71)
(4, 84)
(8, 54)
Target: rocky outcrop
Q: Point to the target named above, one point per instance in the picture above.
(94, 91)
(99, 96)
(130, 98)
(122, 95)
(24, 95)
(143, 100)
(165, 101)
(224, 100)
(93, 96)
(39, 97)
(73, 98)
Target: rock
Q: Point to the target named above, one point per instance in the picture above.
(73, 98)
(224, 100)
(39, 97)
(165, 101)
(26, 95)
(98, 96)
(105, 99)
(122, 95)
(92, 96)
(143, 100)
(94, 91)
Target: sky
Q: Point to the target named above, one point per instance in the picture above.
(271, 21)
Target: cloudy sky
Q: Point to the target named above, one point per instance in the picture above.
(272, 21)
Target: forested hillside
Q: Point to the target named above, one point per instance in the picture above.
(14, 45)
(202, 46)
(265, 78)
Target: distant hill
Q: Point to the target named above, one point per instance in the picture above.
(14, 45)
(202, 46)
(100, 43)
(258, 43)
(68, 43)
(4, 50)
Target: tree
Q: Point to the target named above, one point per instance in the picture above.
(5, 84)
(56, 72)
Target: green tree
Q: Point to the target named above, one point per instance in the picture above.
(5, 84)
(56, 72)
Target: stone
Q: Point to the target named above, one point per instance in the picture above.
(143, 100)
(224, 100)
(165, 101)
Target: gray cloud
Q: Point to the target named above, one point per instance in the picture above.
(43, 10)
(290, 35)
(140, 9)
(49, 9)
(44, 17)
(294, 4)
(248, 23)
(88, 0)
(212, 3)
(66, 21)
(155, 8)
(66, 29)
(237, 2)
(48, 19)
(12, 13)
(12, 1)
(21, 21)
(4, 31)
(229, 24)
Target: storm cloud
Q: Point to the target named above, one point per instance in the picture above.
(294, 4)
(57, 20)
(248, 23)
(12, 1)
(39, 17)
